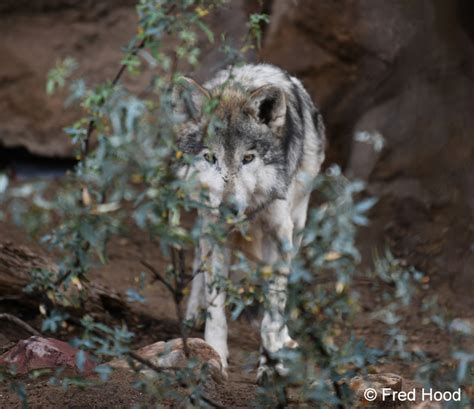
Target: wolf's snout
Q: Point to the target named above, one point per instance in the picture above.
(229, 208)
(234, 210)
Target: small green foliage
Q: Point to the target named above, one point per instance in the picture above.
(256, 21)
(132, 63)
(59, 74)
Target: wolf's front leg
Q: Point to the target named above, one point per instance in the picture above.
(277, 252)
(215, 332)
(197, 297)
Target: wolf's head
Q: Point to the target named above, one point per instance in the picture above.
(237, 140)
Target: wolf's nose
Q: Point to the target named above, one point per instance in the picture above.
(229, 208)
(234, 210)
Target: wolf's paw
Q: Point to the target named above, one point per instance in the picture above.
(290, 343)
(270, 368)
(269, 374)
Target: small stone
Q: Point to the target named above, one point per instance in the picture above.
(462, 325)
(171, 354)
(40, 353)
(368, 389)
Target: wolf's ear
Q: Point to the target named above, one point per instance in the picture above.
(269, 104)
(188, 97)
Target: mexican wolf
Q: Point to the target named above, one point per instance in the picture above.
(260, 161)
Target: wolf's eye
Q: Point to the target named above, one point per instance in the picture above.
(210, 157)
(249, 157)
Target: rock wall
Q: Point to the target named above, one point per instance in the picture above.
(36, 34)
(405, 70)
(31, 41)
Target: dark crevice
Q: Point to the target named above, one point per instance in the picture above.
(466, 16)
(20, 163)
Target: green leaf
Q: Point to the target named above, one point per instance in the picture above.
(80, 360)
(204, 27)
(366, 204)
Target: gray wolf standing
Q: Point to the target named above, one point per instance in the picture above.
(260, 160)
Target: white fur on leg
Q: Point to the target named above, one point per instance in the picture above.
(299, 215)
(274, 332)
(274, 329)
(215, 333)
(197, 298)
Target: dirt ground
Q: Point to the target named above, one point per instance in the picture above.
(157, 321)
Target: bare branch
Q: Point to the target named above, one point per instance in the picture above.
(151, 365)
(157, 275)
(20, 323)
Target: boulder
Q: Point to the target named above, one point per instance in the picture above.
(368, 390)
(171, 354)
(34, 35)
(40, 353)
(401, 70)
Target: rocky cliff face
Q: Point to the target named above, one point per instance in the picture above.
(34, 35)
(31, 41)
(405, 70)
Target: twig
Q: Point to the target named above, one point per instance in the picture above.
(134, 52)
(157, 275)
(199, 269)
(19, 322)
(177, 259)
(177, 291)
(77, 263)
(151, 365)
(91, 126)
